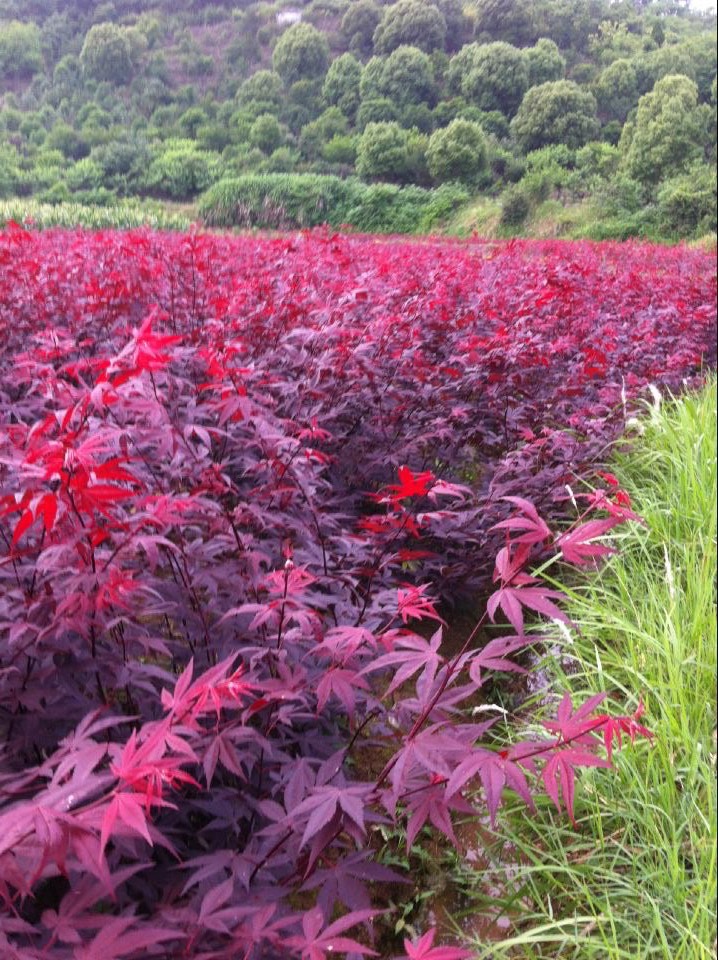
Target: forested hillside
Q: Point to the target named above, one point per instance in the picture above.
(388, 117)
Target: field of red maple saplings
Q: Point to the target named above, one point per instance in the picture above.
(235, 475)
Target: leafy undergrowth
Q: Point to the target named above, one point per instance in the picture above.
(232, 472)
(639, 880)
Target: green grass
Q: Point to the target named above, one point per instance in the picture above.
(638, 878)
(123, 215)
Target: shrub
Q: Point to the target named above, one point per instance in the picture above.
(301, 53)
(341, 85)
(667, 134)
(545, 63)
(20, 52)
(497, 78)
(516, 206)
(358, 26)
(687, 203)
(555, 113)
(106, 54)
(407, 77)
(458, 152)
(211, 589)
(382, 152)
(181, 170)
(266, 133)
(412, 23)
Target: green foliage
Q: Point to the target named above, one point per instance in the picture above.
(266, 133)
(261, 93)
(67, 140)
(181, 171)
(407, 77)
(616, 90)
(303, 103)
(509, 20)
(498, 78)
(458, 152)
(687, 203)
(378, 110)
(305, 200)
(559, 112)
(317, 134)
(667, 134)
(545, 62)
(370, 81)
(107, 54)
(20, 51)
(413, 23)
(127, 215)
(341, 149)
(341, 85)
(516, 206)
(382, 152)
(458, 24)
(358, 26)
(301, 53)
(597, 161)
(11, 175)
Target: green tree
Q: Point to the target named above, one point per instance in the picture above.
(668, 61)
(376, 110)
(266, 133)
(358, 26)
(460, 66)
(261, 93)
(20, 51)
(498, 78)
(413, 23)
(458, 25)
(106, 54)
(545, 62)
(315, 135)
(559, 112)
(301, 53)
(509, 20)
(371, 76)
(408, 77)
(68, 141)
(341, 85)
(383, 152)
(458, 152)
(668, 133)
(616, 90)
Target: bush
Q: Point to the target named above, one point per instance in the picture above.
(382, 152)
(555, 113)
(301, 53)
(687, 203)
(306, 200)
(358, 26)
(106, 54)
(20, 51)
(497, 78)
(341, 85)
(266, 133)
(668, 132)
(545, 63)
(515, 206)
(379, 110)
(407, 77)
(412, 23)
(181, 171)
(458, 152)
(261, 93)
